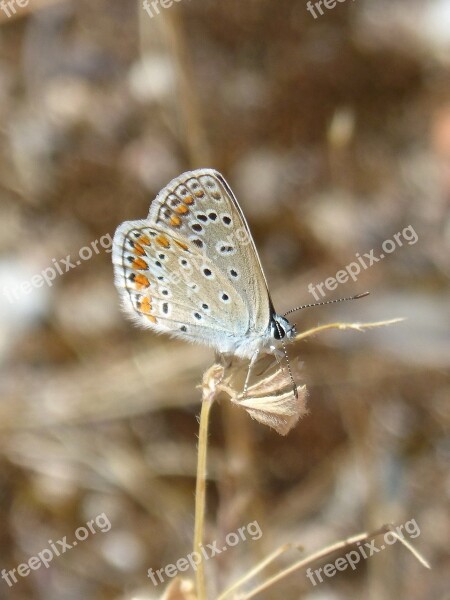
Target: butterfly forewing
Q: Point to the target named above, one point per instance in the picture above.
(201, 207)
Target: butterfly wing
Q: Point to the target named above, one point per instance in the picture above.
(191, 268)
(201, 206)
(163, 286)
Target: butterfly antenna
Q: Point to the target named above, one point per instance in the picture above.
(328, 302)
(294, 385)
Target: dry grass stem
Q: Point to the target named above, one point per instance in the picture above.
(344, 326)
(209, 386)
(269, 399)
(257, 569)
(327, 551)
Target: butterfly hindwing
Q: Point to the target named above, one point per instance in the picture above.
(166, 284)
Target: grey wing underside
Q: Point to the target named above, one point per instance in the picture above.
(191, 268)
(208, 188)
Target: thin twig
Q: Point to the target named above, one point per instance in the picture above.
(326, 552)
(200, 493)
(343, 326)
(259, 567)
(194, 133)
(413, 551)
(208, 393)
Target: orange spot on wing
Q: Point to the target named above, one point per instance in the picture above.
(162, 241)
(182, 245)
(144, 240)
(188, 200)
(140, 264)
(145, 305)
(200, 194)
(138, 249)
(182, 209)
(141, 281)
(151, 318)
(175, 221)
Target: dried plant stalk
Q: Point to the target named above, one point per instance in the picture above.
(327, 551)
(259, 567)
(344, 326)
(269, 399)
(209, 387)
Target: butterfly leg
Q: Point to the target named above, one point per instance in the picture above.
(283, 353)
(250, 366)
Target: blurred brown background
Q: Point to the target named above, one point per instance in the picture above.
(334, 133)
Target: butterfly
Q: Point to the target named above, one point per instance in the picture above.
(191, 269)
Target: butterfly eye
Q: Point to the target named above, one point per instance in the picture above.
(279, 333)
(281, 328)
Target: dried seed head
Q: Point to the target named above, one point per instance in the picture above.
(269, 397)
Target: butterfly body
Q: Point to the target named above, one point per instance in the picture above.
(191, 269)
